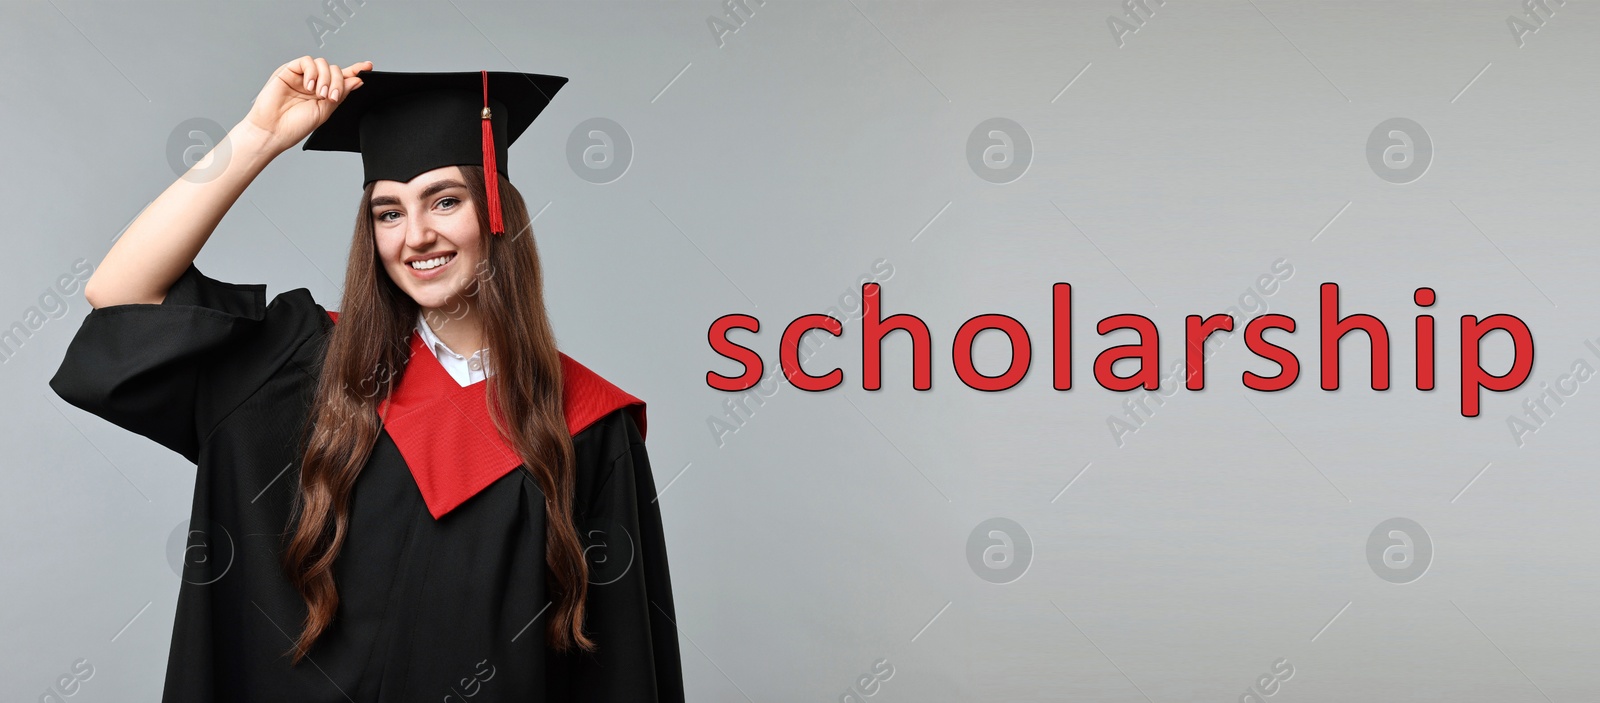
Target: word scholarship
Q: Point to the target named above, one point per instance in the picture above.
(1144, 355)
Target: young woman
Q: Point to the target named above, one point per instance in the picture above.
(415, 498)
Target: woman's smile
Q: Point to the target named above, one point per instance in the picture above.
(431, 267)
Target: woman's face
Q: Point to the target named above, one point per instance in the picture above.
(432, 221)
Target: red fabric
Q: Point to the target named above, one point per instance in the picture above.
(444, 431)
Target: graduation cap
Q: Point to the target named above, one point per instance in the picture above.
(404, 124)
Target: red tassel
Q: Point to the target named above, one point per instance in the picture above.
(491, 173)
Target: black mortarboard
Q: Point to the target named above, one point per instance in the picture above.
(404, 124)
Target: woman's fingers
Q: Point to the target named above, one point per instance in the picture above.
(292, 73)
(318, 78)
(335, 82)
(307, 68)
(343, 80)
(323, 77)
(351, 82)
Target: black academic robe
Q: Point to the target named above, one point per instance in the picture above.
(441, 579)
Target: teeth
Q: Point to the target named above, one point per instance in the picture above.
(431, 263)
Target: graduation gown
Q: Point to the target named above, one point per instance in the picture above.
(441, 578)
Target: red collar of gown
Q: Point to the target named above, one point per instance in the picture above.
(450, 444)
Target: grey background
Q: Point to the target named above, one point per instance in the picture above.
(767, 175)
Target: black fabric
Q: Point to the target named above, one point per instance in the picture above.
(428, 609)
(404, 124)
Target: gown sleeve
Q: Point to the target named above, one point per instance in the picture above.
(148, 367)
(629, 611)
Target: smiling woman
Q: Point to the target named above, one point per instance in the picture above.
(401, 527)
(427, 235)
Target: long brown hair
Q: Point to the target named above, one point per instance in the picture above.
(367, 353)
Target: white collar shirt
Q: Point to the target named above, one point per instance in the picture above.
(465, 370)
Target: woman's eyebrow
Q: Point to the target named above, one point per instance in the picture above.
(426, 192)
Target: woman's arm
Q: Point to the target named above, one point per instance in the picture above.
(161, 243)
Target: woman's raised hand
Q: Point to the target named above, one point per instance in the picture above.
(299, 97)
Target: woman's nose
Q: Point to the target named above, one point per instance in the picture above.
(420, 232)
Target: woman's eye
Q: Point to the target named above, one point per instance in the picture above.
(452, 201)
(384, 217)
